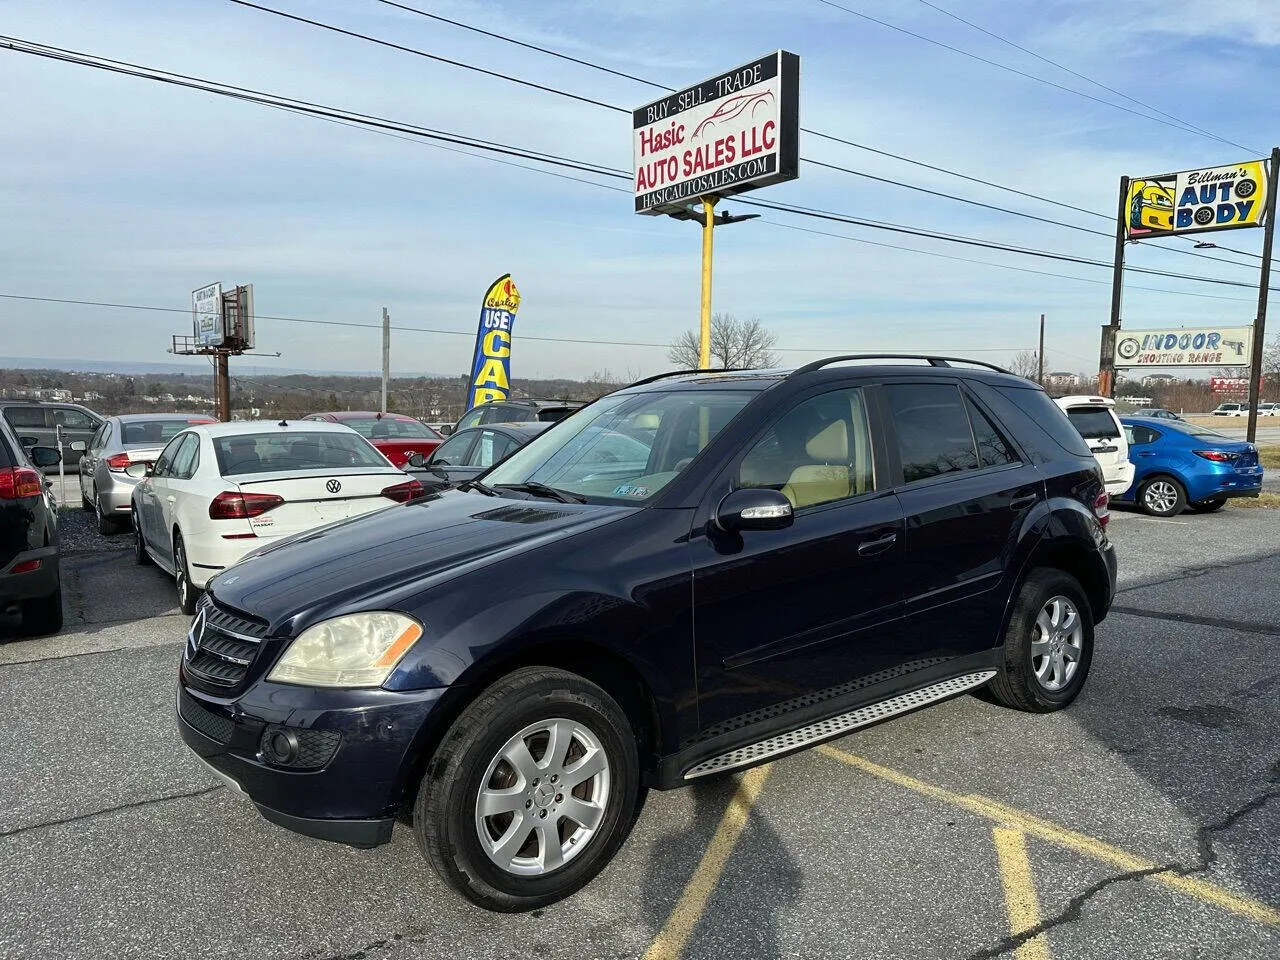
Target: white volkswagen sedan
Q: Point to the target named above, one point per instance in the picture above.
(218, 491)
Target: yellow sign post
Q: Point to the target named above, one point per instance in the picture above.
(708, 233)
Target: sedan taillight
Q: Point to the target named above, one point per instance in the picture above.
(1217, 456)
(230, 505)
(19, 482)
(1101, 509)
(118, 462)
(403, 492)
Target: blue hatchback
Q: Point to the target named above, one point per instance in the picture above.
(1179, 465)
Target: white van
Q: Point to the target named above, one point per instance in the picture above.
(1095, 419)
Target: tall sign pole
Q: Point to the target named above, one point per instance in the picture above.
(386, 355)
(1040, 355)
(1260, 324)
(708, 233)
(1107, 353)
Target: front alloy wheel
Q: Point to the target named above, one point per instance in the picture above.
(531, 792)
(542, 797)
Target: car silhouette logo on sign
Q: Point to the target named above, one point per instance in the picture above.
(333, 486)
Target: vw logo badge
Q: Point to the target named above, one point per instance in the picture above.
(333, 486)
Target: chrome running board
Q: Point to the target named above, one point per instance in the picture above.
(837, 726)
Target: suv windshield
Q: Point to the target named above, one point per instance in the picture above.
(623, 448)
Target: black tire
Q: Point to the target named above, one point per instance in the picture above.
(107, 525)
(1015, 683)
(445, 816)
(1208, 506)
(43, 615)
(1161, 496)
(140, 555)
(188, 595)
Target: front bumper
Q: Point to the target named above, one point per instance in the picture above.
(34, 584)
(361, 749)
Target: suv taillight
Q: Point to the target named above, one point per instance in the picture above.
(1101, 510)
(19, 482)
(403, 492)
(1217, 456)
(117, 462)
(230, 505)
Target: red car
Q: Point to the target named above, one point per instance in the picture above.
(397, 436)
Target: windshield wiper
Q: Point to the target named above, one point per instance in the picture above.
(484, 488)
(541, 489)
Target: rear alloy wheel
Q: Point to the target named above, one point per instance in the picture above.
(531, 792)
(1162, 497)
(1048, 646)
(1209, 506)
(140, 555)
(187, 594)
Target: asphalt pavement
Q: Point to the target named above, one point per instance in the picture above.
(1142, 822)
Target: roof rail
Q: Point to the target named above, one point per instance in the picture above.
(933, 361)
(681, 373)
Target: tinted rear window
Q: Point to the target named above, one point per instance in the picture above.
(281, 452)
(934, 436)
(1039, 425)
(153, 433)
(554, 414)
(1094, 423)
(25, 416)
(389, 428)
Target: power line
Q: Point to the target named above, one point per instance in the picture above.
(1179, 125)
(841, 140)
(312, 109)
(1066, 69)
(432, 330)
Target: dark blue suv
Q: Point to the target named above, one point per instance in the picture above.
(764, 560)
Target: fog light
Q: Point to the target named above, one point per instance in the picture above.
(281, 747)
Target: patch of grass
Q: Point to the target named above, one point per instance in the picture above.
(1261, 500)
(1269, 456)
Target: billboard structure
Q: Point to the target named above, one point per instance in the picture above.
(733, 132)
(1197, 201)
(1185, 347)
(206, 315)
(491, 363)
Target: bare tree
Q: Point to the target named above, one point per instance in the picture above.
(1271, 362)
(1026, 364)
(735, 343)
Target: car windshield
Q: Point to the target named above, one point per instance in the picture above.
(295, 450)
(623, 448)
(154, 433)
(390, 428)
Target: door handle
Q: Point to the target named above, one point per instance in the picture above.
(869, 548)
(1026, 500)
(1146, 453)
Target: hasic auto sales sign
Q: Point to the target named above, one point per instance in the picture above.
(732, 133)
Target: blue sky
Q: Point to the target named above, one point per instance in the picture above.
(122, 190)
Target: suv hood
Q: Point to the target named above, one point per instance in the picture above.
(393, 553)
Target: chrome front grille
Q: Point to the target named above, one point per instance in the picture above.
(221, 646)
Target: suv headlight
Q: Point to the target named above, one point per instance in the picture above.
(357, 650)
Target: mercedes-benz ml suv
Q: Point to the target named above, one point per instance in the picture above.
(513, 663)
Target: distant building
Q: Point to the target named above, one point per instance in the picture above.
(1061, 379)
(1158, 380)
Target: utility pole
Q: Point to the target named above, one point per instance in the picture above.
(1040, 355)
(1260, 324)
(1107, 353)
(222, 386)
(386, 355)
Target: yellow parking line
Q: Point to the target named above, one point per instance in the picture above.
(1019, 892)
(693, 901)
(1079, 842)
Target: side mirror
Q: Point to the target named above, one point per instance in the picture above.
(417, 461)
(79, 446)
(45, 456)
(138, 470)
(446, 430)
(28, 441)
(753, 508)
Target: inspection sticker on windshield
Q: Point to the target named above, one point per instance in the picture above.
(630, 490)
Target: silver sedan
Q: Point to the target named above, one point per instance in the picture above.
(117, 458)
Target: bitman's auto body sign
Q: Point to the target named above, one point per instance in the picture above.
(1185, 347)
(735, 132)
